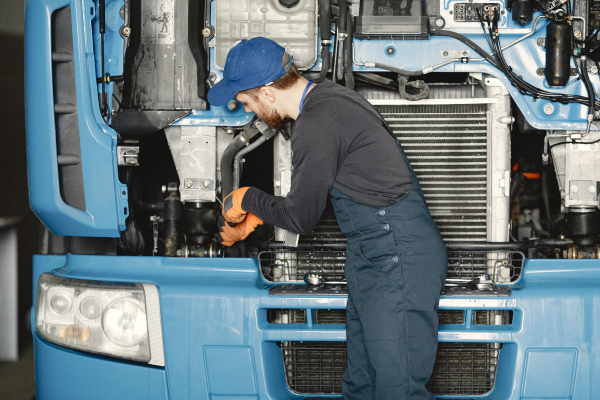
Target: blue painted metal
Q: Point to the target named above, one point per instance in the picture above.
(216, 309)
(106, 197)
(78, 376)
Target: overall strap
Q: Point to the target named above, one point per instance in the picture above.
(370, 111)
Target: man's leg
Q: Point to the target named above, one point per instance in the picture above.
(357, 383)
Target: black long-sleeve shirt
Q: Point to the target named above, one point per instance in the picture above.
(334, 144)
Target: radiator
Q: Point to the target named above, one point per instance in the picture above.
(447, 148)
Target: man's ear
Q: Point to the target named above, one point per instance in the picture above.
(267, 94)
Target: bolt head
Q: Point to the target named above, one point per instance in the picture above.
(188, 183)
(465, 53)
(206, 184)
(577, 34)
(439, 22)
(445, 53)
(206, 32)
(574, 189)
(232, 105)
(390, 51)
(594, 70)
(126, 31)
(592, 189)
(548, 109)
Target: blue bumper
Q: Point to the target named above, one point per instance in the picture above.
(219, 344)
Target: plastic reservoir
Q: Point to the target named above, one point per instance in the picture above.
(293, 28)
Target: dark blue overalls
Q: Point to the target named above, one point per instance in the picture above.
(396, 268)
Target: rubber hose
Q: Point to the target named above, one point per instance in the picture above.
(588, 84)
(325, 32)
(348, 77)
(343, 5)
(400, 71)
(402, 81)
(468, 42)
(546, 200)
(227, 164)
(236, 161)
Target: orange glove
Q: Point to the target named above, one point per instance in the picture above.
(231, 234)
(232, 206)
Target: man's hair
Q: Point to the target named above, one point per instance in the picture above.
(284, 82)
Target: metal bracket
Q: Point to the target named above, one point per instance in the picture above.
(455, 53)
(128, 156)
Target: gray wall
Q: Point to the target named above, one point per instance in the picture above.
(13, 169)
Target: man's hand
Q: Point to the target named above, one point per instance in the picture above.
(230, 234)
(232, 206)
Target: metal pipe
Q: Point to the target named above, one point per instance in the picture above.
(238, 157)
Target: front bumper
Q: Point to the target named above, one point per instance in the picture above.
(220, 345)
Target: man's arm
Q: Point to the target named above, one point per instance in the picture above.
(318, 150)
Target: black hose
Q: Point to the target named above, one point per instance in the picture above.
(468, 42)
(348, 77)
(343, 5)
(546, 200)
(588, 85)
(227, 164)
(402, 83)
(400, 71)
(325, 32)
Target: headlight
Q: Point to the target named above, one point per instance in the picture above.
(119, 320)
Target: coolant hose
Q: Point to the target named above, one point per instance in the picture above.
(325, 32)
(546, 199)
(227, 164)
(348, 77)
(403, 81)
(588, 86)
(238, 157)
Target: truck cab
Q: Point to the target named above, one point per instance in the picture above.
(493, 102)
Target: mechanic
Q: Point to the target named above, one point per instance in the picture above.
(396, 261)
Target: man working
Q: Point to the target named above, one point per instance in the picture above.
(396, 260)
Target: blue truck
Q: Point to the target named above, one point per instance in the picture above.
(493, 102)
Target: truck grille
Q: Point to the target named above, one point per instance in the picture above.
(446, 145)
(460, 368)
(463, 266)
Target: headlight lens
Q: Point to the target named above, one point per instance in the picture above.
(124, 322)
(97, 317)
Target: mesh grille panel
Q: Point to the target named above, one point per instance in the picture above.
(460, 368)
(463, 266)
(447, 147)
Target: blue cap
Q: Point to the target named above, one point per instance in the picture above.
(250, 64)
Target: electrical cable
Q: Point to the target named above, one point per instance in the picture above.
(524, 87)
(567, 142)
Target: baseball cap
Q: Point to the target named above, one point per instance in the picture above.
(250, 64)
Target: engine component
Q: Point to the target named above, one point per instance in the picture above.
(164, 36)
(467, 12)
(199, 221)
(558, 52)
(290, 25)
(522, 11)
(172, 220)
(392, 19)
(201, 250)
(194, 150)
(584, 227)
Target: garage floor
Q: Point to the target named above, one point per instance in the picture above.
(16, 378)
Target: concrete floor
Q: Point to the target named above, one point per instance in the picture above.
(16, 378)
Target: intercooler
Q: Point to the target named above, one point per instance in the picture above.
(458, 143)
